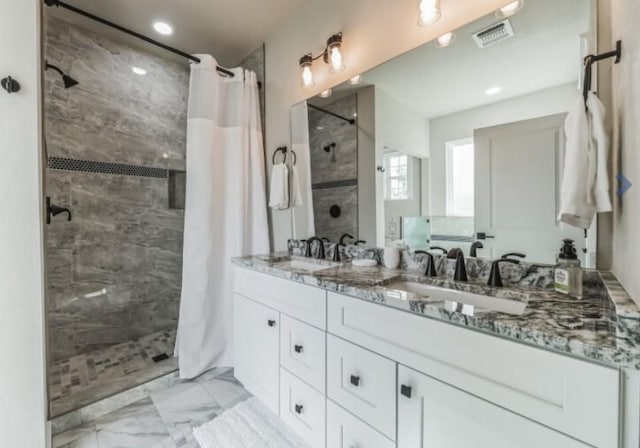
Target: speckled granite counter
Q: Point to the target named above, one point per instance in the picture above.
(603, 327)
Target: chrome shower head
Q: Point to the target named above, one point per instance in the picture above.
(67, 80)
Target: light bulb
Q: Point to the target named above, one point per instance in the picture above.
(335, 55)
(510, 9)
(430, 12)
(326, 93)
(307, 76)
(139, 71)
(355, 80)
(163, 28)
(445, 40)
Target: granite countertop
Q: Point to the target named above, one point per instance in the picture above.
(603, 327)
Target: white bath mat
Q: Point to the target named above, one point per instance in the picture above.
(247, 425)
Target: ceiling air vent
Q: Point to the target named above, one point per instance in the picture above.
(493, 34)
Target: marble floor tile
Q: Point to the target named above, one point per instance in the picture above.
(87, 441)
(77, 437)
(138, 425)
(185, 405)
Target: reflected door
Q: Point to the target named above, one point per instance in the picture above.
(517, 178)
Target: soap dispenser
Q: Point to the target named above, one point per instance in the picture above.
(568, 273)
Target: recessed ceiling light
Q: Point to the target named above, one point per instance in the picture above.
(493, 90)
(326, 93)
(139, 71)
(445, 40)
(355, 80)
(163, 28)
(510, 9)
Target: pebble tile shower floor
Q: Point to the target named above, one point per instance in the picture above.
(164, 420)
(87, 378)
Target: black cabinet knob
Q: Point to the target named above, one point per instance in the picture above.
(405, 390)
(355, 380)
(299, 408)
(271, 322)
(298, 348)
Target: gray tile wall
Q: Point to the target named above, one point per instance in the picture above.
(325, 129)
(114, 271)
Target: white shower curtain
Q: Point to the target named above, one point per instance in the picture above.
(225, 211)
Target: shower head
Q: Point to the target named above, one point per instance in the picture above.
(67, 80)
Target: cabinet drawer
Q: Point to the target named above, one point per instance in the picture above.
(303, 409)
(577, 398)
(305, 303)
(346, 431)
(257, 347)
(303, 351)
(363, 383)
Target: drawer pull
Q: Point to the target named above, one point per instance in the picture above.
(405, 390)
(271, 322)
(298, 348)
(355, 380)
(299, 408)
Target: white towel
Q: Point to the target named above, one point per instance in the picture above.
(296, 192)
(279, 192)
(585, 181)
(247, 425)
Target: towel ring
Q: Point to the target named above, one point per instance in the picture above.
(282, 149)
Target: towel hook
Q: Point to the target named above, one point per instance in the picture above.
(591, 59)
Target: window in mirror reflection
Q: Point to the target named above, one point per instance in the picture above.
(460, 178)
(397, 177)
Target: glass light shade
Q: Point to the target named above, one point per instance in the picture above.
(335, 58)
(430, 12)
(307, 76)
(510, 9)
(445, 40)
(326, 93)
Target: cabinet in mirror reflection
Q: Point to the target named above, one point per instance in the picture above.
(453, 145)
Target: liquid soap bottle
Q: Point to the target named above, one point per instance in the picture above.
(568, 273)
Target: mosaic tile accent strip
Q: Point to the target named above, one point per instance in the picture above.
(87, 378)
(89, 166)
(336, 184)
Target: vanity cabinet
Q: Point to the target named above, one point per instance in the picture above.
(256, 349)
(345, 373)
(434, 414)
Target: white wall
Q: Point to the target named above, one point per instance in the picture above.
(625, 16)
(374, 31)
(22, 365)
(400, 128)
(462, 124)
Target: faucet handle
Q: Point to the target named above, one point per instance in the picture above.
(460, 274)
(513, 254)
(336, 251)
(495, 279)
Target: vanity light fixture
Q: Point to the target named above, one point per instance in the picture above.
(493, 90)
(332, 55)
(139, 71)
(163, 28)
(510, 9)
(354, 81)
(445, 40)
(326, 93)
(430, 12)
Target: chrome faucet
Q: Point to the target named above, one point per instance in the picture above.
(310, 241)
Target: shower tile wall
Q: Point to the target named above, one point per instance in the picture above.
(114, 271)
(334, 175)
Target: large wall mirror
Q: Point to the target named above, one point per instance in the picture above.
(460, 140)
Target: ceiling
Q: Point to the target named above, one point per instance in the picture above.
(227, 29)
(545, 52)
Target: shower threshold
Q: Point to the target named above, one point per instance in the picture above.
(84, 379)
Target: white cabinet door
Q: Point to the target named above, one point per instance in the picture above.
(257, 349)
(303, 351)
(303, 409)
(434, 414)
(346, 431)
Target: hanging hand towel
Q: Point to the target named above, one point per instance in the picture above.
(585, 183)
(279, 194)
(296, 192)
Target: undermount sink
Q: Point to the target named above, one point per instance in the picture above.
(309, 266)
(462, 301)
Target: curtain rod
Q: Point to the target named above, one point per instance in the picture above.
(60, 4)
(328, 112)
